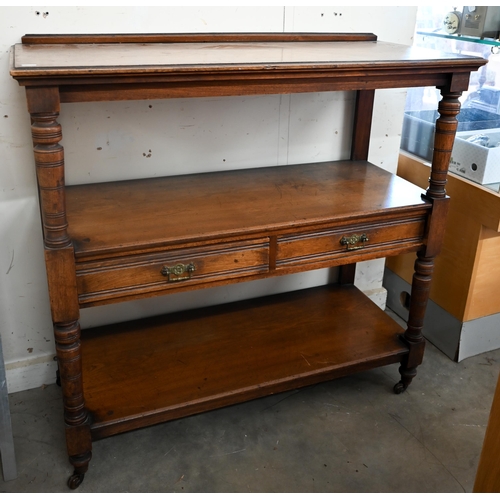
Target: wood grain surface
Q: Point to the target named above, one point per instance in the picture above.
(154, 370)
(146, 213)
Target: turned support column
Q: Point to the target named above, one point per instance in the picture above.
(43, 105)
(49, 162)
(446, 127)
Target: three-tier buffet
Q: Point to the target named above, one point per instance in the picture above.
(124, 240)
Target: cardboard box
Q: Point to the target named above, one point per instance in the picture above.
(475, 161)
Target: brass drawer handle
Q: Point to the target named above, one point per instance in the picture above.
(178, 272)
(354, 242)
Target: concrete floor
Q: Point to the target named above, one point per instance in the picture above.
(348, 435)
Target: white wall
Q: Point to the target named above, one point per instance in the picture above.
(108, 141)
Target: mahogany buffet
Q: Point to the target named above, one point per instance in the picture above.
(116, 241)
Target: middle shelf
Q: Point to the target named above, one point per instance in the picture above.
(140, 238)
(135, 216)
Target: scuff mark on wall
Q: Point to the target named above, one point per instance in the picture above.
(11, 263)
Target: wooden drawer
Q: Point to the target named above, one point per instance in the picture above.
(329, 244)
(109, 279)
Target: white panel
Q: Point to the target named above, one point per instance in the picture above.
(25, 323)
(139, 19)
(320, 127)
(38, 372)
(478, 336)
(117, 140)
(391, 24)
(387, 127)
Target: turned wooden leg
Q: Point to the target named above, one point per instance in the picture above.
(43, 104)
(413, 335)
(76, 418)
(446, 126)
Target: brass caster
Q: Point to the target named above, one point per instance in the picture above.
(399, 388)
(75, 480)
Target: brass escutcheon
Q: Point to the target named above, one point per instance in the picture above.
(353, 242)
(178, 272)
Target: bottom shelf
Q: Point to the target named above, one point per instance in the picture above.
(148, 371)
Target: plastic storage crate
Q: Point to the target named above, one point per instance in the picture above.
(418, 128)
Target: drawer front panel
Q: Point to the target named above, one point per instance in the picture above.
(326, 245)
(107, 279)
